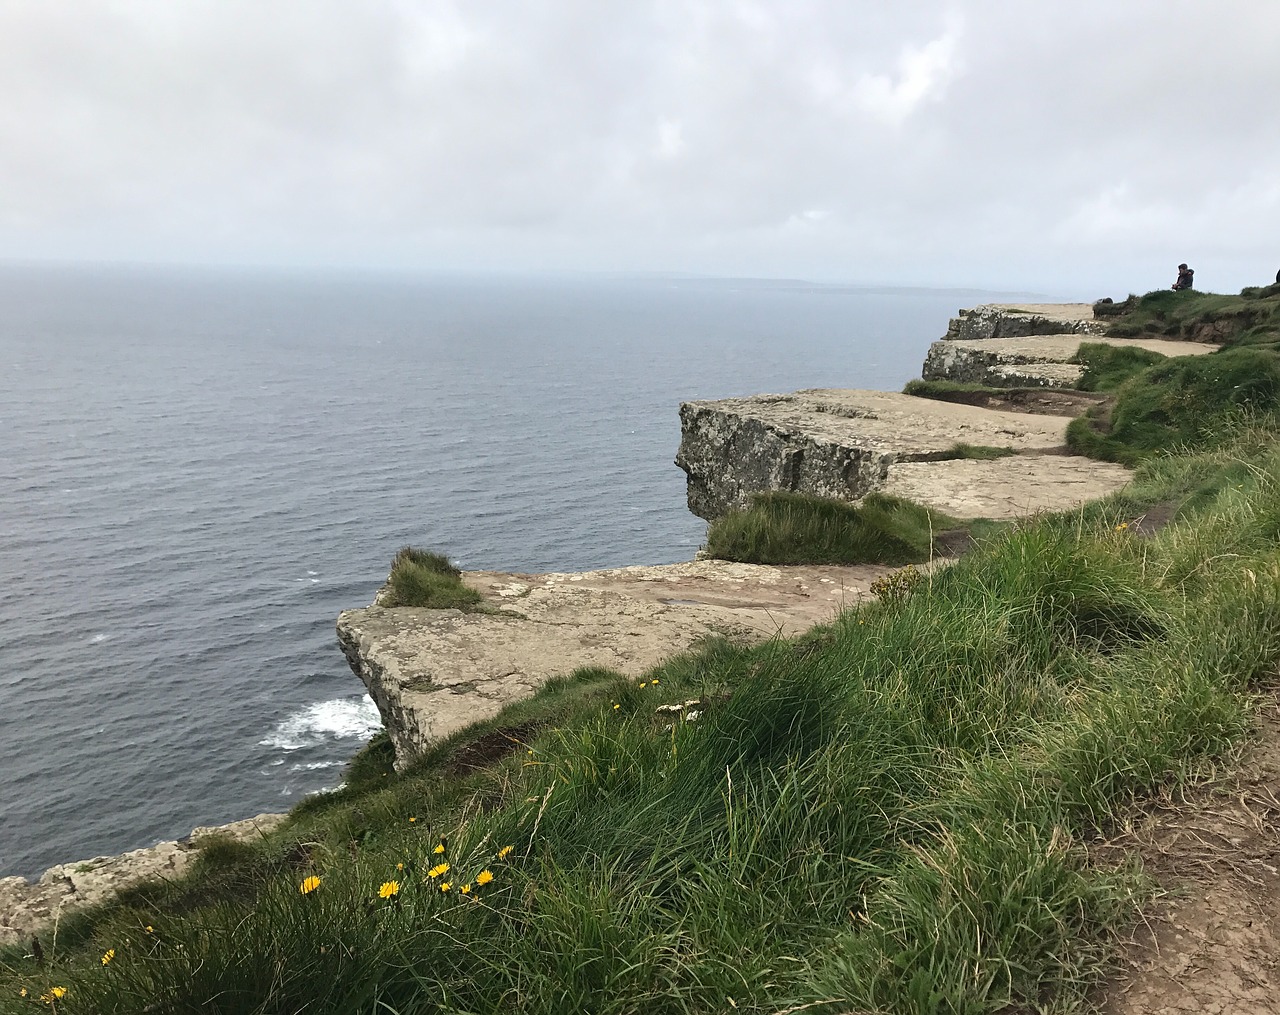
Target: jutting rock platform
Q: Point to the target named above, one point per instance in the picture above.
(432, 672)
(846, 444)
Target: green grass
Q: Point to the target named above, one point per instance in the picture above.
(423, 578)
(952, 391)
(1106, 367)
(792, 528)
(1251, 317)
(1184, 402)
(883, 815)
(977, 452)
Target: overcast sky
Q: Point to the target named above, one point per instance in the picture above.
(1091, 144)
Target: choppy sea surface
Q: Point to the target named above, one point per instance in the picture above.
(200, 469)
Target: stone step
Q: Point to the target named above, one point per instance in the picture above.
(1013, 320)
(1040, 361)
(832, 442)
(1005, 488)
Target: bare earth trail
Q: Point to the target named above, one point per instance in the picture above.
(1211, 946)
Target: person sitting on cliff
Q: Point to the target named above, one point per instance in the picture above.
(1185, 277)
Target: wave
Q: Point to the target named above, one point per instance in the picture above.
(324, 722)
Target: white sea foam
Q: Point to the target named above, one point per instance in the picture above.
(324, 721)
(314, 765)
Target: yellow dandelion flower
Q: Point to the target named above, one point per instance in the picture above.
(505, 852)
(151, 930)
(484, 877)
(22, 991)
(388, 889)
(53, 994)
(439, 849)
(309, 885)
(437, 870)
(644, 683)
(655, 682)
(466, 889)
(399, 866)
(445, 885)
(108, 955)
(412, 820)
(616, 706)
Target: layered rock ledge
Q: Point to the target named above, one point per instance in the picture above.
(432, 672)
(1043, 361)
(1019, 320)
(841, 444)
(26, 906)
(1011, 346)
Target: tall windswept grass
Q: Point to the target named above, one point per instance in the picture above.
(423, 578)
(794, 528)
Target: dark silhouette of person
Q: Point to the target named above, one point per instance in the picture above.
(1185, 277)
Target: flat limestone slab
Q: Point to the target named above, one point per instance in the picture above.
(1036, 361)
(1013, 487)
(1008, 320)
(1032, 360)
(432, 672)
(1060, 348)
(832, 442)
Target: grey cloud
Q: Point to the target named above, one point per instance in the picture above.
(987, 142)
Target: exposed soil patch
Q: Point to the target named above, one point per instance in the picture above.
(1213, 943)
(1035, 401)
(953, 543)
(1155, 519)
(490, 747)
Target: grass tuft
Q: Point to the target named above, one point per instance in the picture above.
(977, 452)
(422, 578)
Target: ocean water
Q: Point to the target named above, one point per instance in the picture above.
(200, 469)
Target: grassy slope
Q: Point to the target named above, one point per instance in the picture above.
(1184, 401)
(887, 811)
(885, 814)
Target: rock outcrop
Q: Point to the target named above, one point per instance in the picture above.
(832, 443)
(1019, 320)
(1041, 362)
(432, 672)
(27, 906)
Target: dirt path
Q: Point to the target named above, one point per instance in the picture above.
(1213, 944)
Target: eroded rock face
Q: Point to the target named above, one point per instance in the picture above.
(832, 443)
(26, 907)
(1008, 320)
(1038, 362)
(433, 672)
